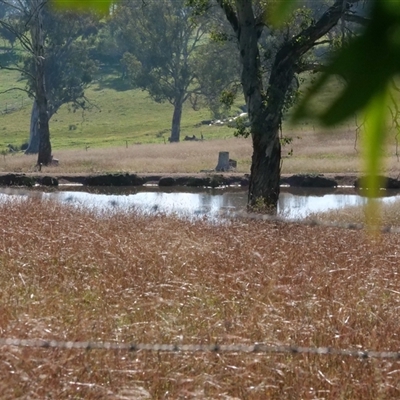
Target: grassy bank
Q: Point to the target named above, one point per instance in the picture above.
(313, 152)
(69, 274)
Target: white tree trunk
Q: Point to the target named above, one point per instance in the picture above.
(33, 147)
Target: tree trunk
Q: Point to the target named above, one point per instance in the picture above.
(265, 109)
(44, 157)
(264, 127)
(264, 185)
(33, 147)
(176, 121)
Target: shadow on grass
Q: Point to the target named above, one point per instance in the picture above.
(8, 57)
(111, 77)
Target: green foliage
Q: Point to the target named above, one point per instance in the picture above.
(280, 10)
(228, 98)
(102, 6)
(68, 68)
(375, 122)
(242, 128)
(217, 74)
(367, 64)
(159, 41)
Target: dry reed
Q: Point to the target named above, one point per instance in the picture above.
(313, 152)
(69, 273)
(385, 214)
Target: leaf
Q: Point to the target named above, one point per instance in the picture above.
(102, 6)
(374, 137)
(280, 10)
(367, 64)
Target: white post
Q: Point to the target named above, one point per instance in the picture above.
(223, 161)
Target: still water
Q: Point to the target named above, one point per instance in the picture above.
(294, 203)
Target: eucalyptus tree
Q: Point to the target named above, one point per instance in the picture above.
(266, 98)
(68, 68)
(164, 46)
(55, 62)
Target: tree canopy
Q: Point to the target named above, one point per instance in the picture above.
(167, 52)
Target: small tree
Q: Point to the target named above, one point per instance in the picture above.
(56, 64)
(68, 68)
(163, 42)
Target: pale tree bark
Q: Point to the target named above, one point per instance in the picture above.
(33, 146)
(44, 156)
(265, 107)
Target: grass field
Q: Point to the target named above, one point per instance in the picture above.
(116, 116)
(70, 274)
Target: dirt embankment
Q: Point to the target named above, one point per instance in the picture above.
(174, 179)
(216, 179)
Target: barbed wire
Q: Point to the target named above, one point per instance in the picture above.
(195, 348)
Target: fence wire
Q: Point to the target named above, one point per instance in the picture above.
(195, 348)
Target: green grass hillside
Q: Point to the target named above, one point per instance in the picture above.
(116, 117)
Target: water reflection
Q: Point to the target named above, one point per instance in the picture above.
(294, 203)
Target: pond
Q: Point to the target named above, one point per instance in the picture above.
(294, 203)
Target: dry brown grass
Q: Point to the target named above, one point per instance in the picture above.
(172, 157)
(315, 152)
(70, 274)
(384, 215)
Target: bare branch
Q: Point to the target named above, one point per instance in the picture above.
(16, 88)
(313, 67)
(230, 14)
(23, 71)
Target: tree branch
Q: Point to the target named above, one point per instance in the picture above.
(306, 39)
(23, 71)
(358, 19)
(322, 42)
(230, 14)
(314, 67)
(15, 88)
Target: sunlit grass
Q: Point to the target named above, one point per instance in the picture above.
(113, 118)
(71, 274)
(314, 152)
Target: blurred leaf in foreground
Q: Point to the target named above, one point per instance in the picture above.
(102, 6)
(367, 64)
(280, 10)
(376, 114)
(375, 129)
